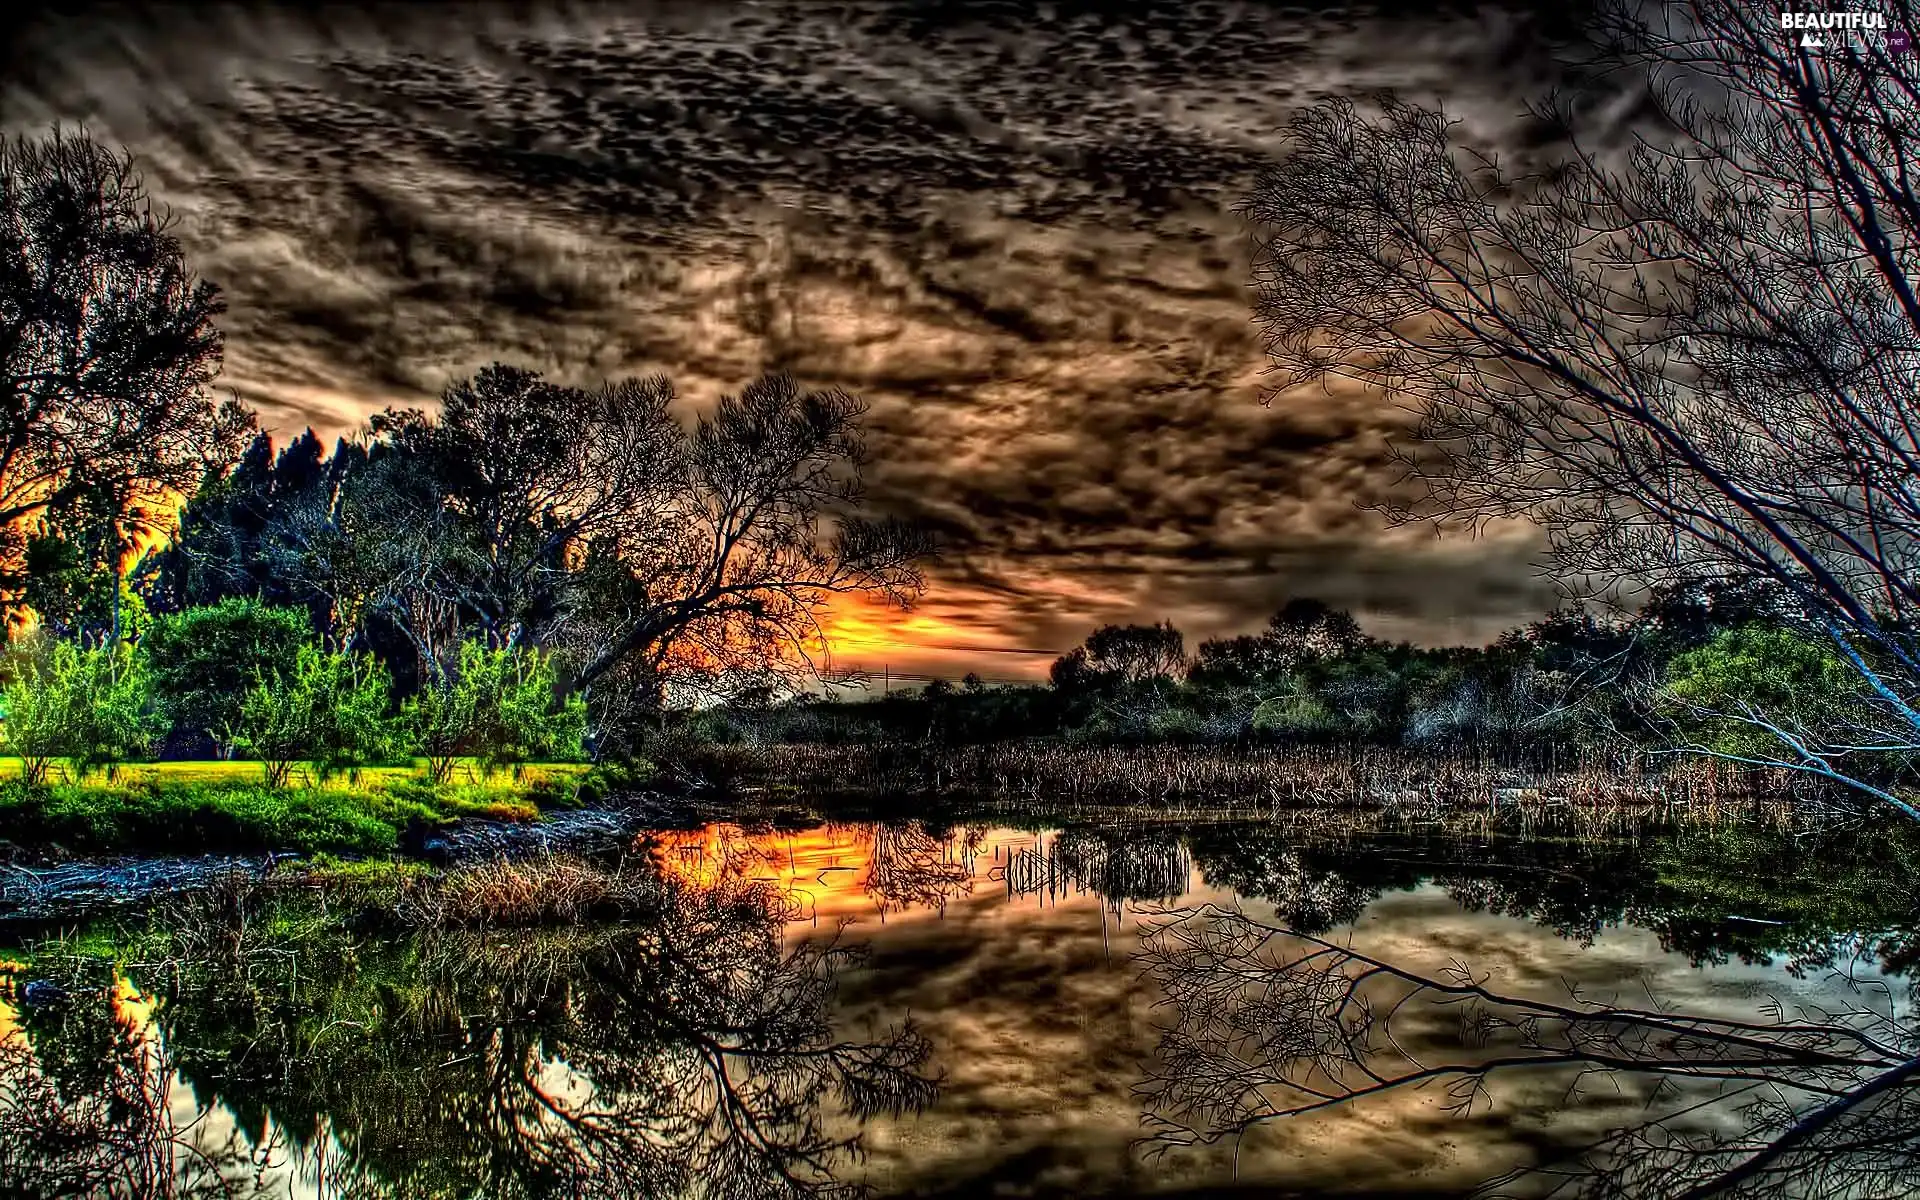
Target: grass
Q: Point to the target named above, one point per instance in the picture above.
(241, 771)
(225, 807)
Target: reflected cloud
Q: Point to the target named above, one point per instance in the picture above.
(838, 970)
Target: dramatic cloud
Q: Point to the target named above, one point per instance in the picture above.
(1007, 226)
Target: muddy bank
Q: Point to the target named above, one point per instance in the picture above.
(45, 890)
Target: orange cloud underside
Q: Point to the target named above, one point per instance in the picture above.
(861, 633)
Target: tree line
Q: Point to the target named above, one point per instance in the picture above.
(1672, 675)
(590, 538)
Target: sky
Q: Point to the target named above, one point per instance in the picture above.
(1008, 227)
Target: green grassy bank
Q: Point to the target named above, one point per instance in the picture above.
(214, 807)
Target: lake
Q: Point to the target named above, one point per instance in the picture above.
(1098, 1007)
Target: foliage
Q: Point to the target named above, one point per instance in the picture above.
(499, 707)
(1732, 694)
(70, 581)
(654, 556)
(206, 659)
(107, 345)
(90, 707)
(329, 709)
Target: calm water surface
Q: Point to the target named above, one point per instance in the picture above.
(932, 1011)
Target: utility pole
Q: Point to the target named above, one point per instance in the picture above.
(886, 679)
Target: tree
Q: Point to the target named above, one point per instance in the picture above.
(760, 529)
(223, 546)
(499, 706)
(92, 707)
(327, 708)
(653, 554)
(373, 546)
(206, 659)
(107, 345)
(529, 472)
(1306, 628)
(1692, 358)
(1123, 654)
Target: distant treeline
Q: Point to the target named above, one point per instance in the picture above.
(1669, 673)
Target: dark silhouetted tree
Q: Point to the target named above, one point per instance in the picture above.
(107, 347)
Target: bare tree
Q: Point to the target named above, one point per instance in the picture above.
(729, 577)
(1689, 349)
(1271, 1024)
(107, 345)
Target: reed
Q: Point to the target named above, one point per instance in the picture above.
(1596, 788)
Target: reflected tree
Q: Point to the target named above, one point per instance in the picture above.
(1267, 863)
(688, 1054)
(911, 867)
(1119, 864)
(1271, 1024)
(84, 1111)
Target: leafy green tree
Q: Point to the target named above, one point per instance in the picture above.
(92, 707)
(1753, 687)
(206, 660)
(329, 710)
(499, 707)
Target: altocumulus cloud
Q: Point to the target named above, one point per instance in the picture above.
(1007, 226)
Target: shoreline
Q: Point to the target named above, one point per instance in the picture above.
(84, 886)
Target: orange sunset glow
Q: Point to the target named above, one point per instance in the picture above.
(935, 638)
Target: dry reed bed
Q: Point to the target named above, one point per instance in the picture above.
(1271, 779)
(531, 891)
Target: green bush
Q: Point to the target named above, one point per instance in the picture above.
(206, 659)
(92, 708)
(1293, 710)
(329, 710)
(1764, 671)
(499, 707)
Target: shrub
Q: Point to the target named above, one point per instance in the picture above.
(329, 710)
(1801, 684)
(90, 707)
(498, 707)
(205, 660)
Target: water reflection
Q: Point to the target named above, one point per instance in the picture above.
(689, 1055)
(775, 1025)
(1270, 1024)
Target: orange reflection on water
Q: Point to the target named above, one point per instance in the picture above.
(833, 872)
